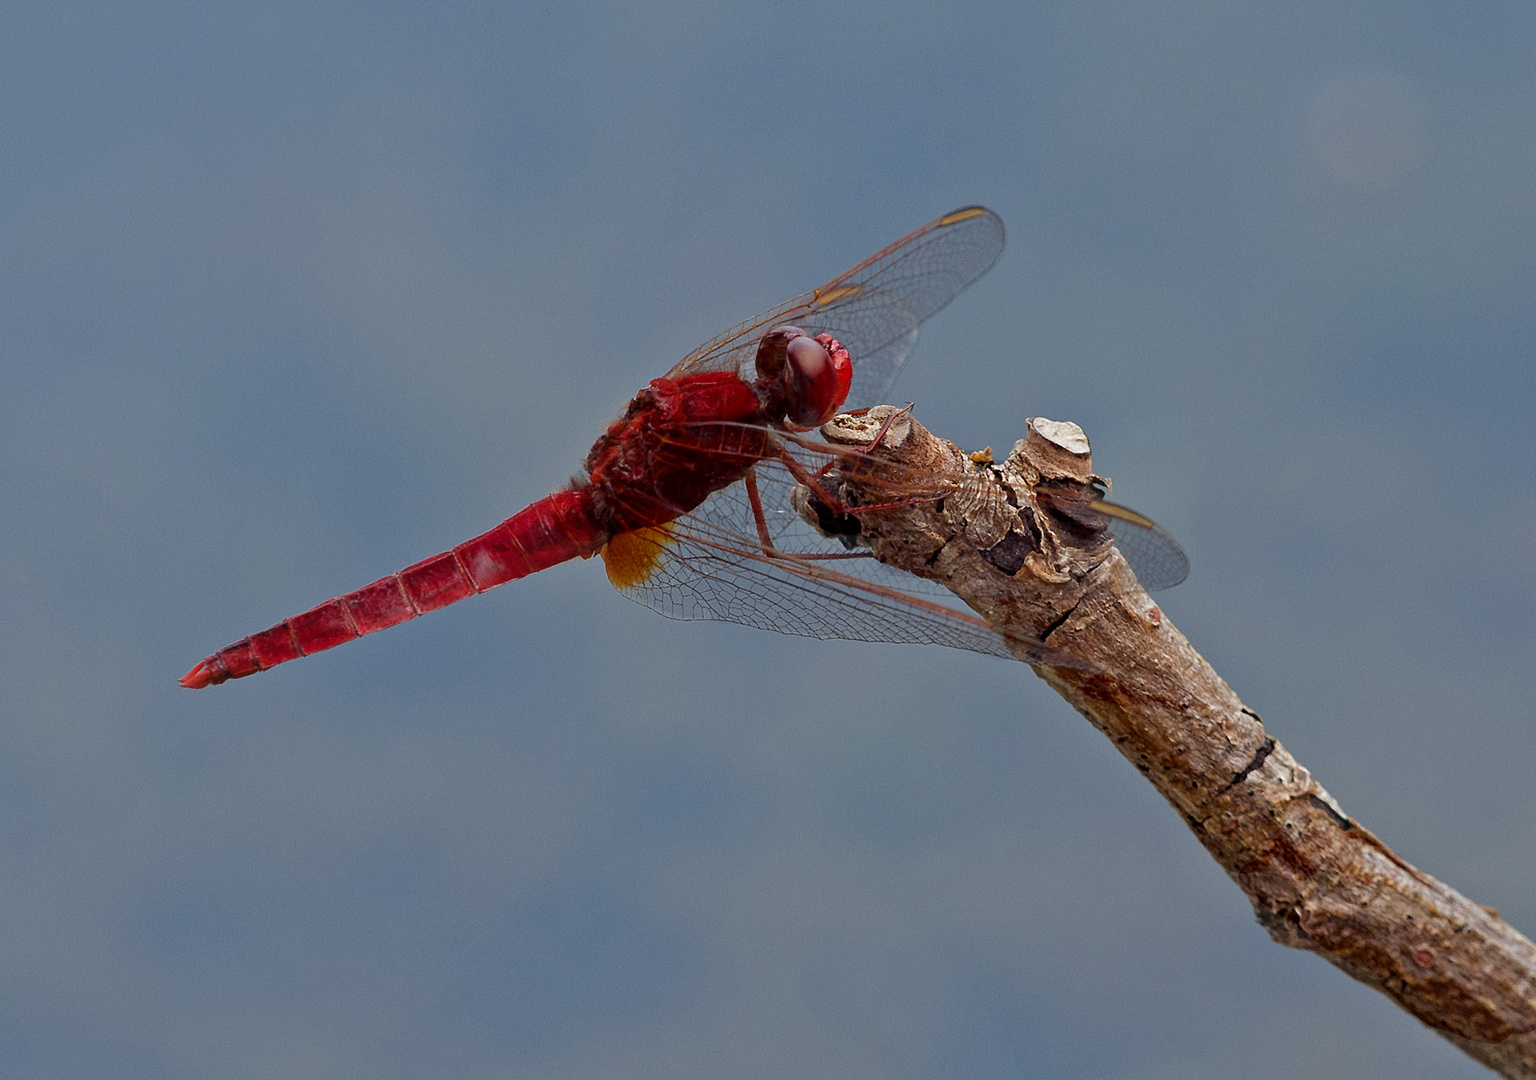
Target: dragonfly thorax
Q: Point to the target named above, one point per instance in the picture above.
(679, 441)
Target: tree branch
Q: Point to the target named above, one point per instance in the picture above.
(1317, 879)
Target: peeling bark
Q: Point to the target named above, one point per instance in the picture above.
(1317, 879)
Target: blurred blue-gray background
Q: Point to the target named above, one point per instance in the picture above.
(293, 295)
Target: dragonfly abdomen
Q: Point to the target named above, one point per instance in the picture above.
(553, 530)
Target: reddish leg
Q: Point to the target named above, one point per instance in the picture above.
(836, 505)
(758, 517)
(886, 427)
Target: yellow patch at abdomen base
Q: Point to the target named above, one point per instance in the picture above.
(632, 557)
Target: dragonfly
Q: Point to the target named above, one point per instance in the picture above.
(695, 497)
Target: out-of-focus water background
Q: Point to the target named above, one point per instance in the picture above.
(292, 296)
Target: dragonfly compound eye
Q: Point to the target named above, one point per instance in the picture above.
(841, 362)
(771, 350)
(815, 383)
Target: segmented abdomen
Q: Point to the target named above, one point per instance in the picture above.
(554, 529)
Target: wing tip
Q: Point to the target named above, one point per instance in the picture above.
(965, 213)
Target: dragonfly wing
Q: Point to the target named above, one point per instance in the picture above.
(1155, 556)
(873, 309)
(710, 564)
(697, 574)
(730, 509)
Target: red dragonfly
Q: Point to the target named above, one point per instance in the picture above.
(689, 495)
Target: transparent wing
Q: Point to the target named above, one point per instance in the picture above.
(1155, 556)
(875, 308)
(711, 564)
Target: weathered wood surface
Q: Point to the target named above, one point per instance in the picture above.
(1317, 879)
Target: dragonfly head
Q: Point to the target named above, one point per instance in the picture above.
(807, 377)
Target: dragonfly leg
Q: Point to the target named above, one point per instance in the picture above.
(813, 482)
(758, 518)
(900, 504)
(886, 427)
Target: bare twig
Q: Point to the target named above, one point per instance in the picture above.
(1317, 879)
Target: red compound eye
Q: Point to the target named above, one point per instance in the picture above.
(810, 376)
(842, 362)
(771, 350)
(813, 382)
